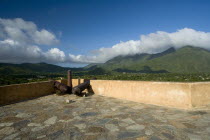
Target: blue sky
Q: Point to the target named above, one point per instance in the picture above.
(82, 26)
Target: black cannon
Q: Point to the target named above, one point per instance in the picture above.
(78, 89)
(62, 87)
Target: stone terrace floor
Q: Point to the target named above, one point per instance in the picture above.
(98, 117)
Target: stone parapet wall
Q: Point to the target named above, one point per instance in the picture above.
(172, 94)
(200, 94)
(185, 95)
(157, 93)
(19, 92)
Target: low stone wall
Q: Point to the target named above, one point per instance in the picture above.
(200, 94)
(172, 94)
(157, 93)
(19, 92)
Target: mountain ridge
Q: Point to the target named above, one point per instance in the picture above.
(28, 68)
(188, 59)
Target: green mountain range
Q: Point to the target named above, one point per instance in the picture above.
(29, 68)
(187, 59)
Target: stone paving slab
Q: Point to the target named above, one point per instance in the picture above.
(101, 118)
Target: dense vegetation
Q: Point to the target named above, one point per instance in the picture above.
(153, 77)
(28, 72)
(17, 79)
(36, 68)
(26, 78)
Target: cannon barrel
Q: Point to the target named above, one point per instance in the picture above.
(62, 87)
(78, 89)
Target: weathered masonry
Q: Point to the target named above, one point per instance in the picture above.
(171, 94)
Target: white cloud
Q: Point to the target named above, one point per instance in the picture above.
(25, 32)
(55, 55)
(151, 43)
(20, 41)
(44, 37)
(13, 52)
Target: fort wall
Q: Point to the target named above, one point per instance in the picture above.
(184, 95)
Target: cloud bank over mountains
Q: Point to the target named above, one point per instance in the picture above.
(151, 43)
(21, 41)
